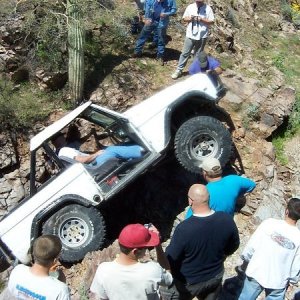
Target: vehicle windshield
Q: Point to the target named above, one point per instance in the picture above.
(98, 118)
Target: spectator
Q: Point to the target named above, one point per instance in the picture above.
(273, 256)
(205, 63)
(199, 17)
(126, 277)
(99, 157)
(34, 282)
(223, 191)
(156, 20)
(199, 247)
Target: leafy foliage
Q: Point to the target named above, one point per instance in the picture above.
(21, 107)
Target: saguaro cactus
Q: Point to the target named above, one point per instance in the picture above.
(76, 50)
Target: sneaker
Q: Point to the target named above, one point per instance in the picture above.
(137, 54)
(176, 74)
(160, 60)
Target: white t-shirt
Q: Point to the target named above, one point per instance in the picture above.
(24, 285)
(274, 253)
(70, 152)
(198, 30)
(140, 281)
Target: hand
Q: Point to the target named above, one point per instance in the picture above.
(163, 15)
(153, 228)
(147, 22)
(99, 152)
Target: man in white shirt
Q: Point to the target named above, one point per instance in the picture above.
(273, 256)
(199, 17)
(128, 278)
(34, 282)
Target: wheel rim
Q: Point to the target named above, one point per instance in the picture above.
(202, 145)
(73, 232)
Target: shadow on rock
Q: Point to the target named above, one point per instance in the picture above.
(156, 197)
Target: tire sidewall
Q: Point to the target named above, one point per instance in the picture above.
(94, 223)
(193, 128)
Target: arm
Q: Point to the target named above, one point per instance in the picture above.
(172, 8)
(295, 269)
(234, 240)
(85, 159)
(97, 291)
(209, 18)
(247, 185)
(161, 258)
(205, 21)
(194, 67)
(253, 243)
(175, 250)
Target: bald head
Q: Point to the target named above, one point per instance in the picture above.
(198, 194)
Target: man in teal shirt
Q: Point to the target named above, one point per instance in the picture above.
(223, 191)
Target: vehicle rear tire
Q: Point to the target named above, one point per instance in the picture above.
(81, 230)
(202, 137)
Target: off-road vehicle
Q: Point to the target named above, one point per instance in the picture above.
(182, 118)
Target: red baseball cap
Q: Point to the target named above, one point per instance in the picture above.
(138, 236)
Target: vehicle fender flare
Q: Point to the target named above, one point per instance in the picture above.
(52, 208)
(189, 96)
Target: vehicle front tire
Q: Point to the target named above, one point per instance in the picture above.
(81, 230)
(202, 137)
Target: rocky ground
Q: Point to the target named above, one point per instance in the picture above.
(256, 109)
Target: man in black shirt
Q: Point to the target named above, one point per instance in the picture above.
(199, 247)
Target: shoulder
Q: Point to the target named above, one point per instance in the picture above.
(224, 217)
(68, 152)
(207, 7)
(59, 285)
(20, 269)
(191, 6)
(108, 265)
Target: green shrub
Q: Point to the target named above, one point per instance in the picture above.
(23, 106)
(286, 11)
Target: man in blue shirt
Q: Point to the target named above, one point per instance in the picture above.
(156, 20)
(223, 191)
(205, 63)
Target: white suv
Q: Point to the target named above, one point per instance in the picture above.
(183, 117)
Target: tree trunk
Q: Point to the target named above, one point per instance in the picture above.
(76, 51)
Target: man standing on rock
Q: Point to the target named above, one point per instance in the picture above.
(273, 256)
(199, 247)
(199, 16)
(156, 20)
(126, 278)
(223, 191)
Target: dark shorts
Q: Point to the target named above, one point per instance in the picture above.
(207, 290)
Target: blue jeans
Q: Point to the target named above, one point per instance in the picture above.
(123, 152)
(159, 34)
(252, 289)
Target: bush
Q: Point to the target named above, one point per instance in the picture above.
(22, 106)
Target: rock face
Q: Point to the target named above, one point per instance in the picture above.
(256, 110)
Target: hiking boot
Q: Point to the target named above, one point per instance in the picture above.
(152, 46)
(137, 54)
(160, 60)
(176, 74)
